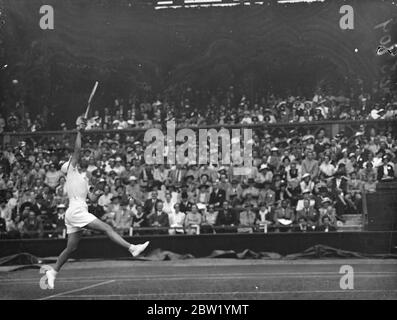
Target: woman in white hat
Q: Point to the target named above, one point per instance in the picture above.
(77, 216)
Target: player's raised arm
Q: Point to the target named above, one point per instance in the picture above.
(77, 145)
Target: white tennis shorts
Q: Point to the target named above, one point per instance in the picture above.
(77, 217)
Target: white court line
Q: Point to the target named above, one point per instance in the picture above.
(206, 278)
(209, 276)
(137, 295)
(77, 290)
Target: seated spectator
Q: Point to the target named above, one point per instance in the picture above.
(177, 220)
(106, 198)
(368, 171)
(185, 205)
(217, 196)
(60, 221)
(32, 226)
(234, 191)
(150, 204)
(168, 205)
(264, 215)
(386, 170)
(226, 216)
(327, 209)
(203, 194)
(338, 182)
(158, 218)
(52, 177)
(210, 217)
(309, 213)
(97, 210)
(267, 195)
(370, 185)
(327, 168)
(193, 220)
(123, 220)
(310, 166)
(283, 192)
(307, 183)
(139, 219)
(307, 195)
(326, 225)
(301, 225)
(247, 219)
(283, 217)
(3, 228)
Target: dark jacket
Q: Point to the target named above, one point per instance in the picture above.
(217, 197)
(162, 219)
(381, 173)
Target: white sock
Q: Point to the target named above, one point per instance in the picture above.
(53, 272)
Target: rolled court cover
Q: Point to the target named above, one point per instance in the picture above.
(26, 260)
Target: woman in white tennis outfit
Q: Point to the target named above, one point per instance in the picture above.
(77, 215)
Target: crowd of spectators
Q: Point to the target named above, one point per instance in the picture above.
(196, 108)
(297, 183)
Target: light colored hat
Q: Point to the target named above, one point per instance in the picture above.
(61, 206)
(263, 166)
(305, 191)
(326, 199)
(306, 175)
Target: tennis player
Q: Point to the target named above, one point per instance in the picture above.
(77, 215)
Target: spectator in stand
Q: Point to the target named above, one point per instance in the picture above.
(307, 183)
(210, 217)
(59, 221)
(193, 220)
(177, 220)
(368, 171)
(328, 210)
(307, 195)
(217, 196)
(326, 225)
(301, 225)
(283, 217)
(3, 228)
(310, 165)
(106, 198)
(158, 218)
(309, 213)
(150, 204)
(123, 220)
(247, 218)
(327, 168)
(32, 226)
(370, 184)
(386, 170)
(264, 215)
(24, 166)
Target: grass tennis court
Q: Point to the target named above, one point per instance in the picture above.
(207, 279)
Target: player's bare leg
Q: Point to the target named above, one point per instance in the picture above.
(72, 244)
(99, 225)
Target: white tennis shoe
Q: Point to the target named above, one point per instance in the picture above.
(51, 276)
(136, 250)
